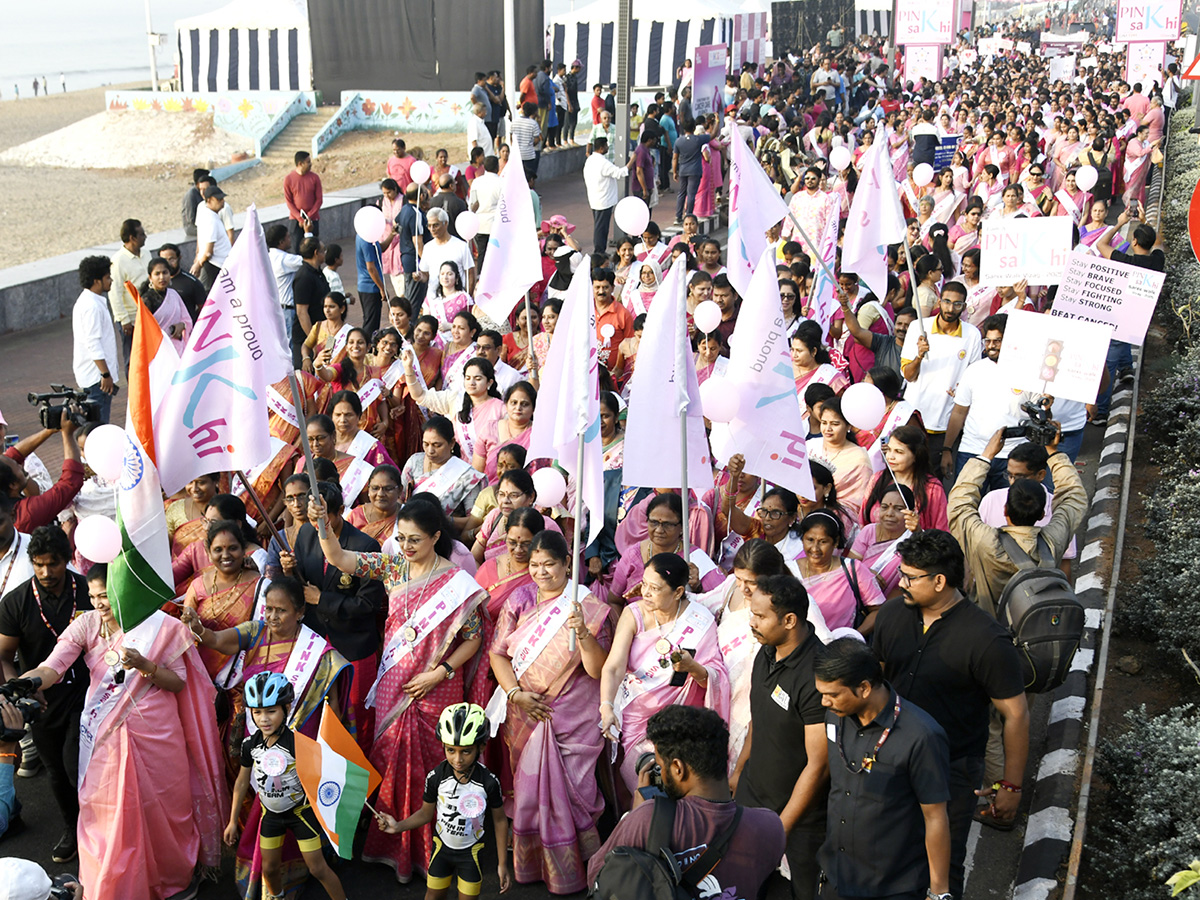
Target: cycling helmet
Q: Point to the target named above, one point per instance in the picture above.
(269, 689)
(463, 725)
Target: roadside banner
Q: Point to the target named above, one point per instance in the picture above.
(709, 78)
(1117, 294)
(1148, 20)
(1061, 357)
(923, 22)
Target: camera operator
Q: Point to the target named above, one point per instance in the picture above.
(32, 616)
(10, 758)
(24, 879)
(22, 456)
(31, 512)
(691, 748)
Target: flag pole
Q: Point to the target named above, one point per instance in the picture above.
(262, 510)
(577, 530)
(308, 457)
(912, 278)
(681, 377)
(683, 423)
(813, 247)
(532, 358)
(382, 277)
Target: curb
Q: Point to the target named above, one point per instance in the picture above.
(1048, 832)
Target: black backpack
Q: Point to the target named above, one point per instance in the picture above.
(631, 873)
(1039, 607)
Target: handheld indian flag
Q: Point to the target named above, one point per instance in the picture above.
(337, 780)
(140, 579)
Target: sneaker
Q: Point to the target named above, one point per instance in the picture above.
(65, 850)
(31, 762)
(1125, 376)
(1100, 421)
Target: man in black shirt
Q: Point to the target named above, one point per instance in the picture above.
(784, 764)
(309, 289)
(32, 616)
(956, 662)
(888, 783)
(341, 608)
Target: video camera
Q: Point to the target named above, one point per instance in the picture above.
(75, 406)
(1038, 429)
(20, 693)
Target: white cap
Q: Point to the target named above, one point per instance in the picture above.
(22, 879)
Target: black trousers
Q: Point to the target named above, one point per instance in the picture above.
(481, 245)
(296, 230)
(601, 219)
(372, 308)
(57, 743)
(801, 852)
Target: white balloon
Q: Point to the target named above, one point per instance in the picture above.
(632, 215)
(1085, 178)
(550, 485)
(98, 538)
(607, 330)
(923, 174)
(707, 317)
(420, 171)
(720, 399)
(466, 224)
(368, 224)
(863, 405)
(106, 449)
(839, 158)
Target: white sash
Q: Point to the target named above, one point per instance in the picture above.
(395, 372)
(276, 446)
(278, 405)
(887, 555)
(302, 663)
(635, 300)
(900, 414)
(910, 194)
(653, 676)
(103, 698)
(454, 375)
(355, 480)
(370, 392)
(432, 613)
(339, 340)
(443, 479)
(533, 640)
(739, 644)
(1064, 198)
(976, 295)
(941, 212)
(733, 543)
(1131, 168)
(231, 673)
(361, 445)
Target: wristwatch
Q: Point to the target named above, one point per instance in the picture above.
(449, 669)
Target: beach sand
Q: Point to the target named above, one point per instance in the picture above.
(48, 211)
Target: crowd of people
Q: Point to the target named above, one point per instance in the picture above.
(832, 663)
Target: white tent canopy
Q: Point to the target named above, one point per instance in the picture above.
(660, 44)
(259, 46)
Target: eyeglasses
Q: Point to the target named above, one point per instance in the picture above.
(1037, 174)
(770, 514)
(956, 304)
(905, 578)
(660, 525)
(513, 496)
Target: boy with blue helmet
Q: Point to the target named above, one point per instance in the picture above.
(269, 763)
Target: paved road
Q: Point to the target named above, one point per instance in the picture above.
(34, 358)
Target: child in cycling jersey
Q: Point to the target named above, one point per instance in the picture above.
(458, 794)
(269, 764)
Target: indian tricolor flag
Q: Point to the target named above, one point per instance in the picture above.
(140, 579)
(337, 780)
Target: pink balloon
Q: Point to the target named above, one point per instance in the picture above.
(839, 158)
(467, 224)
(707, 316)
(105, 451)
(98, 538)
(1085, 177)
(863, 405)
(420, 171)
(720, 399)
(550, 485)
(369, 222)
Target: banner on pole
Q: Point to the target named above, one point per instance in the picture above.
(1047, 355)
(1148, 20)
(1143, 64)
(923, 61)
(1036, 250)
(923, 22)
(1117, 294)
(710, 63)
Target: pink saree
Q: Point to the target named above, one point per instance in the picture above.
(152, 795)
(879, 557)
(833, 595)
(556, 801)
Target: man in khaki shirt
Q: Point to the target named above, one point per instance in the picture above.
(128, 264)
(985, 556)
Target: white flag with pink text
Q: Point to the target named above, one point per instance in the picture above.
(876, 220)
(754, 206)
(513, 263)
(768, 429)
(213, 414)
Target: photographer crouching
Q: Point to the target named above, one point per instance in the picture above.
(32, 615)
(697, 810)
(21, 879)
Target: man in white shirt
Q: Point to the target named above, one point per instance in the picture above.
(602, 179)
(15, 565)
(983, 404)
(212, 242)
(285, 265)
(477, 133)
(483, 199)
(487, 345)
(129, 264)
(94, 339)
(933, 364)
(445, 248)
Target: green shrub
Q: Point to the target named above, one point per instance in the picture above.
(1145, 827)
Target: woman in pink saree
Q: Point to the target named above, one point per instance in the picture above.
(710, 173)
(1065, 152)
(280, 642)
(665, 651)
(895, 519)
(434, 630)
(1095, 227)
(151, 774)
(837, 449)
(546, 706)
(845, 591)
(1137, 165)
(514, 491)
(166, 304)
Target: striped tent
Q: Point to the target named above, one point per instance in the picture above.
(659, 47)
(873, 17)
(259, 46)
